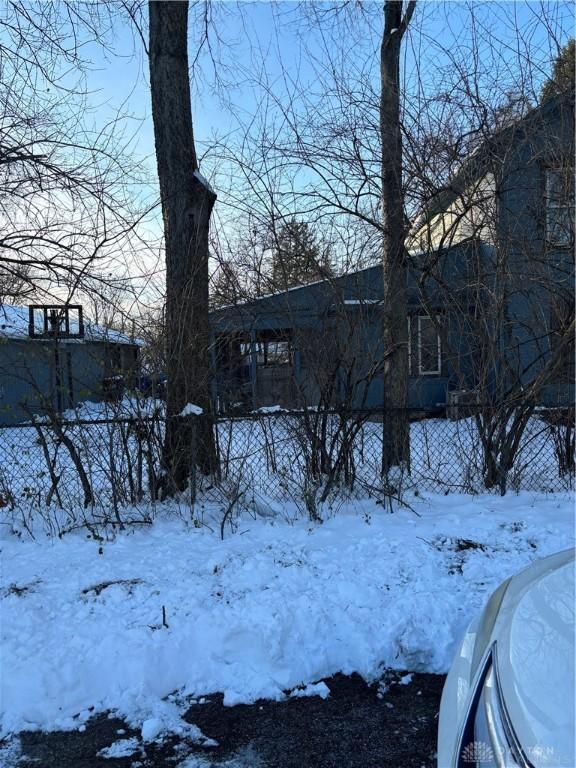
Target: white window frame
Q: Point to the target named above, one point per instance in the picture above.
(409, 345)
(555, 203)
(438, 370)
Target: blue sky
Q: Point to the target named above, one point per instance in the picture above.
(274, 34)
(276, 43)
(121, 81)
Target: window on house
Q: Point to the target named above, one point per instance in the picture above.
(271, 352)
(559, 206)
(278, 353)
(274, 353)
(561, 340)
(424, 347)
(112, 360)
(69, 368)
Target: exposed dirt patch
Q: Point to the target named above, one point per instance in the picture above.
(19, 589)
(97, 589)
(357, 726)
(353, 727)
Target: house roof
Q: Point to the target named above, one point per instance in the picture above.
(360, 287)
(482, 159)
(361, 290)
(337, 284)
(14, 325)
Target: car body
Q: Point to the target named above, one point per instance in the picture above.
(508, 700)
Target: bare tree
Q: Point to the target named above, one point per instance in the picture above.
(66, 201)
(396, 448)
(187, 202)
(15, 283)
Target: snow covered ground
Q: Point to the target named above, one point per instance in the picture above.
(140, 622)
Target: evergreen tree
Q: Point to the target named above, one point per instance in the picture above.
(225, 289)
(562, 73)
(298, 258)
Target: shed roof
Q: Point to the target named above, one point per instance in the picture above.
(14, 325)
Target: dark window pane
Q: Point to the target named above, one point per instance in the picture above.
(278, 353)
(261, 353)
(561, 338)
(428, 346)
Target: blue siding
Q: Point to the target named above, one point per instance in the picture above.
(344, 313)
(32, 382)
(519, 269)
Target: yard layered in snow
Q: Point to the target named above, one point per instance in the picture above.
(271, 607)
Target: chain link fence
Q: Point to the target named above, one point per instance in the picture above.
(105, 471)
(342, 452)
(81, 472)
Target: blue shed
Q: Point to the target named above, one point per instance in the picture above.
(48, 367)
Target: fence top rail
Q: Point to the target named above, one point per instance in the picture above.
(346, 413)
(43, 421)
(470, 409)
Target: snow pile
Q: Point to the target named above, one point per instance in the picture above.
(11, 753)
(204, 181)
(121, 748)
(270, 409)
(312, 689)
(191, 410)
(262, 613)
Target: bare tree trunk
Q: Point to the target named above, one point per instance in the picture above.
(187, 202)
(396, 446)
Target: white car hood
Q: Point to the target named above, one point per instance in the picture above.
(535, 659)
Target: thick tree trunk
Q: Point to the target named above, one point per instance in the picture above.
(187, 203)
(396, 445)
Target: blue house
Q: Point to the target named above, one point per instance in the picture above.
(51, 360)
(490, 295)
(321, 344)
